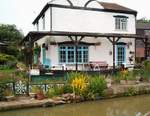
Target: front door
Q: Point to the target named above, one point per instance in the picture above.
(120, 54)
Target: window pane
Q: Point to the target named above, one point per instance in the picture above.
(67, 54)
(121, 23)
(62, 56)
(80, 56)
(70, 56)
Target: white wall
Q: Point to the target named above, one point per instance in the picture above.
(96, 52)
(101, 52)
(47, 22)
(62, 2)
(74, 20)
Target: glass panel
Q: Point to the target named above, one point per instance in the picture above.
(62, 56)
(67, 54)
(85, 56)
(120, 55)
(80, 56)
(70, 56)
(121, 23)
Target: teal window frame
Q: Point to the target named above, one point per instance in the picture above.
(124, 54)
(67, 54)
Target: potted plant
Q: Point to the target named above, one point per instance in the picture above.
(38, 93)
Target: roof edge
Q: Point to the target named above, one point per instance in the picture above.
(81, 8)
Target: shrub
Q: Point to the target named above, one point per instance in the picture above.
(2, 91)
(73, 75)
(67, 88)
(55, 91)
(6, 58)
(147, 65)
(131, 91)
(97, 85)
(36, 89)
(79, 84)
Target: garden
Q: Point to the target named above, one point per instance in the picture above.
(77, 86)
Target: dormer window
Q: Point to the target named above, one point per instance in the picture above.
(43, 20)
(121, 22)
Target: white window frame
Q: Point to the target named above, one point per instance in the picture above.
(121, 23)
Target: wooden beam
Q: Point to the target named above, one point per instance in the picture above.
(110, 40)
(80, 39)
(71, 38)
(117, 39)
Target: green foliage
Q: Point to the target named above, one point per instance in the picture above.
(8, 61)
(147, 65)
(73, 75)
(36, 89)
(143, 20)
(37, 49)
(97, 85)
(10, 33)
(2, 91)
(11, 36)
(67, 89)
(126, 75)
(131, 91)
(78, 82)
(6, 58)
(55, 91)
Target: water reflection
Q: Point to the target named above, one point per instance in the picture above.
(131, 106)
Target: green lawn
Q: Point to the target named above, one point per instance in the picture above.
(7, 71)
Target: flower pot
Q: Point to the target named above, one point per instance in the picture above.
(40, 96)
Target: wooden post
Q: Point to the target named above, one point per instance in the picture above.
(113, 43)
(76, 42)
(145, 53)
(76, 50)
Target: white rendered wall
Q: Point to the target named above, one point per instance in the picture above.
(62, 2)
(128, 49)
(47, 22)
(96, 52)
(73, 20)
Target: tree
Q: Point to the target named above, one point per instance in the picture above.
(143, 20)
(11, 36)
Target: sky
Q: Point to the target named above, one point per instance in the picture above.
(23, 12)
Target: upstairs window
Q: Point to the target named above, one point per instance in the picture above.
(121, 23)
(43, 21)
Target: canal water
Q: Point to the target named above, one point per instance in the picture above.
(126, 106)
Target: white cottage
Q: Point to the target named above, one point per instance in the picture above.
(76, 34)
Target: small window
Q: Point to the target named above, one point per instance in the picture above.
(121, 23)
(43, 19)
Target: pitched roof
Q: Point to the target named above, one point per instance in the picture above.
(143, 25)
(114, 6)
(109, 7)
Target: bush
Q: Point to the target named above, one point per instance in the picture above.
(147, 65)
(79, 83)
(55, 91)
(6, 58)
(2, 91)
(97, 85)
(131, 91)
(36, 89)
(67, 89)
